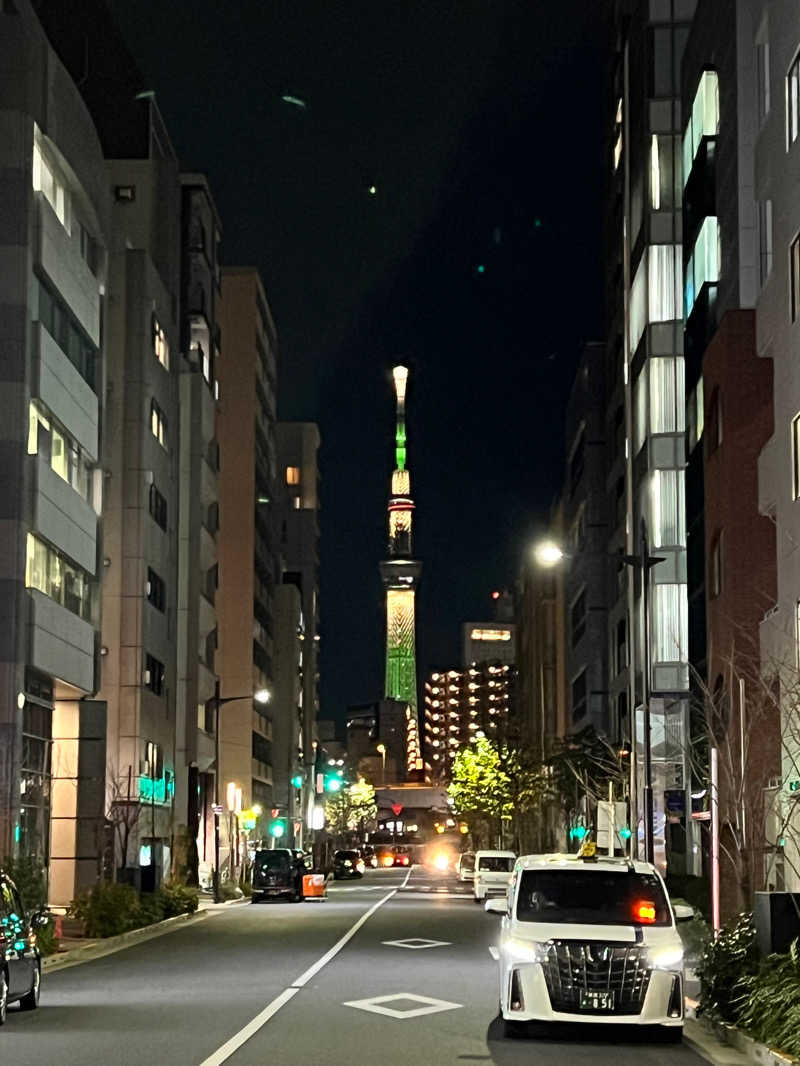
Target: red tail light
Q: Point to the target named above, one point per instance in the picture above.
(644, 911)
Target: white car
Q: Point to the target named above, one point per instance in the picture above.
(589, 940)
(492, 873)
(465, 867)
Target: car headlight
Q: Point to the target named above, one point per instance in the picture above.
(347, 862)
(666, 958)
(526, 950)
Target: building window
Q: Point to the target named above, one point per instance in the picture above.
(793, 101)
(762, 74)
(158, 507)
(703, 266)
(156, 590)
(292, 475)
(48, 180)
(621, 649)
(261, 749)
(57, 320)
(669, 509)
(158, 423)
(715, 566)
(703, 121)
(670, 623)
(578, 618)
(46, 437)
(796, 457)
(696, 416)
(51, 573)
(160, 344)
(579, 696)
(667, 395)
(714, 433)
(794, 273)
(154, 675)
(765, 239)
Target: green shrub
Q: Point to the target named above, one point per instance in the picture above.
(107, 909)
(177, 898)
(28, 875)
(733, 955)
(46, 938)
(150, 909)
(229, 890)
(768, 1002)
(694, 890)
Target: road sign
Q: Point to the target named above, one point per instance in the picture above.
(217, 808)
(396, 808)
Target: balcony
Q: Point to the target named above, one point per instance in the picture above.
(63, 517)
(699, 197)
(61, 643)
(61, 388)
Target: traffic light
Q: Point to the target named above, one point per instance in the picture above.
(577, 832)
(625, 833)
(333, 783)
(277, 828)
(297, 781)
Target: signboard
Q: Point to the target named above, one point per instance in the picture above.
(675, 800)
(216, 808)
(397, 808)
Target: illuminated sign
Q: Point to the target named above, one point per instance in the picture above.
(490, 634)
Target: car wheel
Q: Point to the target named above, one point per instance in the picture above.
(672, 1034)
(31, 1000)
(3, 997)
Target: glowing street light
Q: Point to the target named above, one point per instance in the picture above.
(548, 553)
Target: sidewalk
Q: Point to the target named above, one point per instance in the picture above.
(73, 951)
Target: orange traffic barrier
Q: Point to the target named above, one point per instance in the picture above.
(314, 886)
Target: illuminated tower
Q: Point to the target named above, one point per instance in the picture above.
(400, 574)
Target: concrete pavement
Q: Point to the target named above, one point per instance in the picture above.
(307, 985)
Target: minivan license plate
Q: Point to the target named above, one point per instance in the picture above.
(597, 1001)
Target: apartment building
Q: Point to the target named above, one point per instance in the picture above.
(54, 232)
(247, 559)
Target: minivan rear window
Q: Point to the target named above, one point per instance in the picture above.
(581, 897)
(496, 864)
(272, 860)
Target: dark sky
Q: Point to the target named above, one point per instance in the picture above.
(480, 124)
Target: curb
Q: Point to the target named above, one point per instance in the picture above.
(743, 1051)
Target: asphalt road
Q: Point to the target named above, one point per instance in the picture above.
(284, 985)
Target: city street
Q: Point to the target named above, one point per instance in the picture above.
(308, 985)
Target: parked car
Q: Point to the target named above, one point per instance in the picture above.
(347, 864)
(465, 867)
(278, 872)
(20, 961)
(590, 939)
(492, 873)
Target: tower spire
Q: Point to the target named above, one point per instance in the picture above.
(400, 574)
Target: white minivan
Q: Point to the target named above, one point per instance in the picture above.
(492, 873)
(590, 940)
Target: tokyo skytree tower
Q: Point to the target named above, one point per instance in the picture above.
(400, 572)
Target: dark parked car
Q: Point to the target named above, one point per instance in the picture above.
(347, 864)
(20, 962)
(278, 872)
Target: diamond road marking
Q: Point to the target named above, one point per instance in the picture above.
(417, 943)
(376, 1005)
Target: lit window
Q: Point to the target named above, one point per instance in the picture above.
(669, 509)
(704, 119)
(292, 475)
(793, 101)
(48, 180)
(671, 623)
(49, 572)
(667, 400)
(703, 265)
(655, 175)
(47, 439)
(160, 345)
(794, 273)
(158, 423)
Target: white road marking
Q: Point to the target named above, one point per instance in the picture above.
(376, 1005)
(417, 943)
(494, 952)
(230, 1047)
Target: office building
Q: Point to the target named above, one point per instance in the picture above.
(55, 208)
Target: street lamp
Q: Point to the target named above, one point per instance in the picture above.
(381, 750)
(260, 696)
(548, 554)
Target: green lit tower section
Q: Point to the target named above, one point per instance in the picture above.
(400, 574)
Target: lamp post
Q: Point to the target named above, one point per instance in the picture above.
(381, 750)
(549, 554)
(260, 696)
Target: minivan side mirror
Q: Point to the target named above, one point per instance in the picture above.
(496, 906)
(683, 912)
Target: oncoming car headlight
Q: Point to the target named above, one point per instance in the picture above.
(526, 950)
(666, 958)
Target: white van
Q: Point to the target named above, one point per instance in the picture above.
(492, 873)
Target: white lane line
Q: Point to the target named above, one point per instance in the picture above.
(231, 1046)
(304, 978)
(494, 953)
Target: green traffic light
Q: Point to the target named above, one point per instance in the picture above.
(277, 828)
(333, 784)
(578, 832)
(625, 833)
(297, 780)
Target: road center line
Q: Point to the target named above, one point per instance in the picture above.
(230, 1047)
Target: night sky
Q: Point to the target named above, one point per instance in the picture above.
(479, 123)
